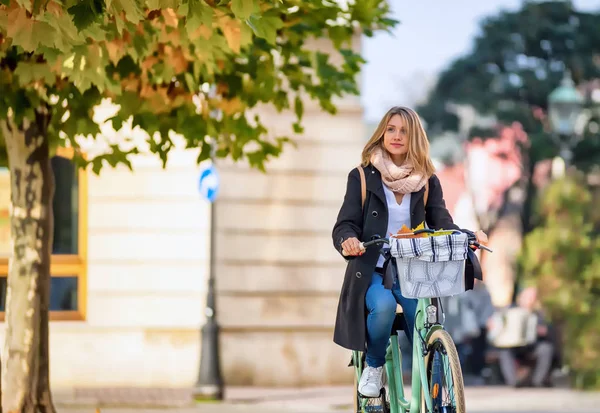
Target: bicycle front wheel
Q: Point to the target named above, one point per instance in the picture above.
(444, 375)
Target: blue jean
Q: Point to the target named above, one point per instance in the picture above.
(381, 304)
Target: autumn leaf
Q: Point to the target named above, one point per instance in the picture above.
(404, 232)
(202, 31)
(28, 33)
(231, 106)
(441, 232)
(232, 32)
(130, 84)
(116, 50)
(170, 17)
(176, 59)
(419, 227)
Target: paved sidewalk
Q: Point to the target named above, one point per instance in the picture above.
(311, 400)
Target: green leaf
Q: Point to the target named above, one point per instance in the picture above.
(140, 47)
(28, 72)
(339, 35)
(191, 83)
(198, 14)
(66, 35)
(297, 127)
(243, 9)
(133, 9)
(162, 4)
(86, 12)
(298, 107)
(246, 35)
(265, 26)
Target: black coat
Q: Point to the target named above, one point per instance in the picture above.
(350, 326)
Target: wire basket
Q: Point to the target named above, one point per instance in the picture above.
(421, 279)
(431, 267)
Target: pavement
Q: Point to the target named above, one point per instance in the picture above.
(325, 399)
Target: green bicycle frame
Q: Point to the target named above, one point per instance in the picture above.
(393, 363)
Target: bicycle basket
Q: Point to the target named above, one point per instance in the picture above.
(432, 266)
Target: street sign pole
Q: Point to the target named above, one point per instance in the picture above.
(210, 383)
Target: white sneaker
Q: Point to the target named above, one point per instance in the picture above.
(370, 383)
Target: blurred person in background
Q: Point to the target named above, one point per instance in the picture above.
(479, 302)
(524, 338)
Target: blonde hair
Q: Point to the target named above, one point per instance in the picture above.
(418, 144)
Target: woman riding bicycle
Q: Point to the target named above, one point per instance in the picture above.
(398, 172)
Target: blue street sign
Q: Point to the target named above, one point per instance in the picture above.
(209, 183)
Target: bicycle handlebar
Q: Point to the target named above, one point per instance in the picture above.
(472, 240)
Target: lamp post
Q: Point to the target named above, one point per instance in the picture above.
(210, 383)
(565, 107)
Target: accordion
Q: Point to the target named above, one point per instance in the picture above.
(513, 327)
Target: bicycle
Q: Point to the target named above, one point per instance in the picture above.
(430, 340)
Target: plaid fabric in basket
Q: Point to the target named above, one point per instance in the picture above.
(431, 249)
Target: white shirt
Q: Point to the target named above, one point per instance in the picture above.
(398, 215)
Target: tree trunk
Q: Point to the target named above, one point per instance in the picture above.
(530, 193)
(25, 359)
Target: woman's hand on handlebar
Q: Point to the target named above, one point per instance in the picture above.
(481, 239)
(352, 247)
(481, 236)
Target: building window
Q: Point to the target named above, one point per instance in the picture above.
(68, 263)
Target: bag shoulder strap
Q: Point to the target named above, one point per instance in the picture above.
(363, 186)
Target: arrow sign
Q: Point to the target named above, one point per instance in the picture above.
(209, 183)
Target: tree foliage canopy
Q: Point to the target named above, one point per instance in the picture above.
(562, 257)
(191, 67)
(518, 58)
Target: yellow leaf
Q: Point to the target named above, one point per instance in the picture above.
(116, 50)
(176, 59)
(420, 226)
(20, 29)
(441, 232)
(170, 17)
(203, 31)
(130, 84)
(231, 106)
(170, 35)
(149, 63)
(45, 30)
(232, 31)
